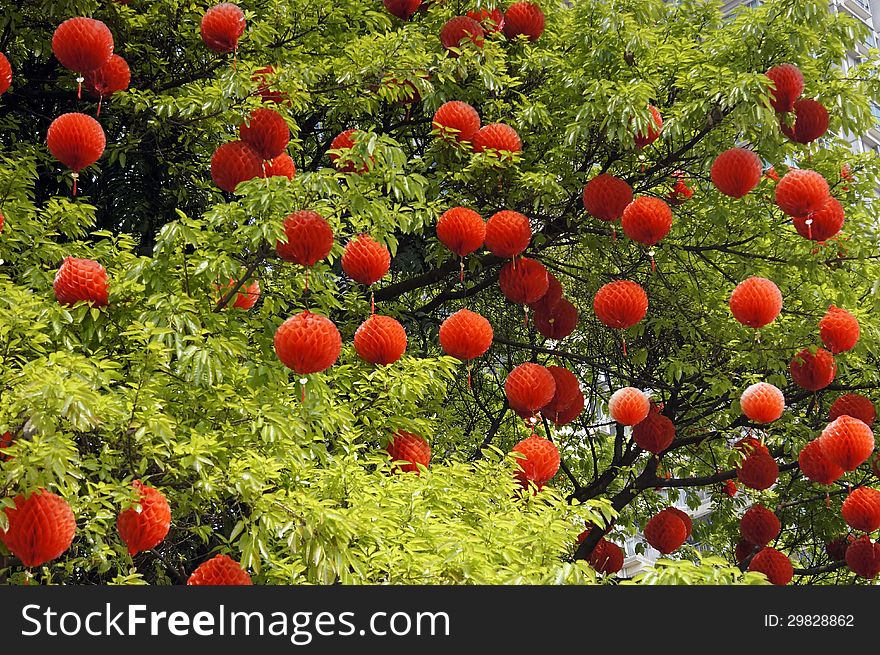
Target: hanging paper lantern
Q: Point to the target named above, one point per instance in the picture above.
(456, 120)
(219, 570)
(222, 27)
(410, 448)
(541, 460)
(523, 281)
(558, 322)
(551, 297)
(380, 340)
(82, 44)
(605, 197)
(77, 141)
(861, 509)
(863, 557)
(144, 527)
(465, 335)
(81, 280)
(813, 372)
(267, 95)
(567, 390)
(730, 488)
(685, 518)
(816, 466)
(759, 526)
(836, 548)
(7, 439)
(847, 442)
(822, 224)
(839, 330)
(647, 220)
(280, 166)
(654, 130)
(309, 238)
(681, 192)
(462, 230)
(665, 531)
(233, 163)
(756, 302)
(607, 557)
(5, 74)
(41, 528)
(743, 550)
(749, 445)
(508, 233)
(801, 192)
(570, 413)
(365, 260)
(628, 406)
(112, 77)
(307, 343)
(771, 174)
(852, 404)
(266, 132)
(457, 29)
(491, 20)
(529, 387)
(523, 18)
(497, 138)
(620, 304)
(762, 402)
(773, 564)
(247, 296)
(758, 471)
(789, 82)
(403, 9)
(735, 172)
(346, 141)
(654, 433)
(810, 122)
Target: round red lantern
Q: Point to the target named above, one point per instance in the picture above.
(309, 238)
(605, 197)
(247, 296)
(540, 462)
(654, 433)
(308, 343)
(647, 220)
(822, 224)
(144, 527)
(836, 548)
(491, 20)
(773, 564)
(410, 448)
(456, 120)
(558, 322)
(758, 471)
(508, 234)
(77, 141)
(552, 296)
(801, 192)
(261, 76)
(847, 442)
(607, 557)
(813, 372)
(220, 570)
(403, 9)
(628, 406)
(457, 29)
(523, 281)
(345, 141)
(749, 445)
(112, 77)
(280, 166)
(735, 172)
(567, 390)
(266, 132)
(529, 387)
(861, 509)
(756, 302)
(852, 404)
(523, 18)
(654, 130)
(665, 531)
(81, 280)
(789, 83)
(810, 122)
(233, 163)
(759, 526)
(839, 330)
(497, 138)
(5, 74)
(816, 466)
(863, 557)
(465, 335)
(41, 528)
(462, 230)
(620, 304)
(365, 260)
(82, 44)
(743, 550)
(380, 340)
(570, 413)
(730, 488)
(222, 27)
(762, 402)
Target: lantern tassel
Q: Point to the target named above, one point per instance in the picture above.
(613, 233)
(100, 100)
(653, 263)
(302, 386)
(470, 367)
(525, 316)
(624, 347)
(809, 223)
(75, 178)
(461, 271)
(308, 272)
(79, 87)
(372, 302)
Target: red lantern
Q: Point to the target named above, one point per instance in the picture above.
(82, 44)
(459, 28)
(743, 550)
(558, 322)
(654, 130)
(346, 141)
(523, 281)
(247, 296)
(465, 335)
(606, 196)
(759, 526)
(6, 441)
(861, 509)
(771, 174)
(456, 120)
(801, 192)
(220, 570)
(666, 531)
(680, 192)
(309, 238)
(810, 122)
(145, 527)
(541, 461)
(267, 95)
(847, 442)
(552, 296)
(750, 445)
(491, 20)
(233, 163)
(823, 224)
(620, 304)
(508, 233)
(110, 78)
(852, 404)
(529, 387)
(762, 402)
(497, 138)
(654, 433)
(816, 466)
(365, 260)
(523, 18)
(735, 172)
(863, 557)
(839, 330)
(307, 343)
(41, 528)
(756, 302)
(5, 74)
(570, 413)
(628, 406)
(758, 471)
(813, 372)
(836, 548)
(647, 220)
(607, 557)
(730, 488)
(380, 340)
(222, 26)
(266, 132)
(567, 391)
(773, 564)
(81, 280)
(280, 166)
(789, 83)
(462, 230)
(410, 448)
(77, 141)
(403, 9)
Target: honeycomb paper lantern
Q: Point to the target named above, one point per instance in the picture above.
(552, 296)
(219, 570)
(403, 9)
(813, 372)
(816, 466)
(498, 138)
(773, 564)
(462, 230)
(743, 550)
(684, 516)
(380, 340)
(758, 471)
(222, 26)
(810, 122)
(863, 557)
(654, 433)
(456, 120)
(762, 402)
(647, 220)
(735, 172)
(523, 281)
(836, 548)
(861, 509)
(801, 192)
(643, 140)
(345, 141)
(233, 163)
(5, 74)
(847, 442)
(605, 197)
(540, 462)
(307, 343)
(112, 77)
(558, 322)
(789, 83)
(730, 488)
(528, 388)
(144, 527)
(7, 439)
(457, 29)
(570, 413)
(607, 557)
(491, 20)
(77, 141)
(839, 330)
(665, 531)
(680, 192)
(309, 238)
(628, 406)
(567, 391)
(266, 132)
(247, 296)
(620, 304)
(750, 445)
(411, 449)
(280, 166)
(41, 528)
(759, 525)
(756, 302)
(822, 224)
(365, 260)
(852, 404)
(523, 19)
(81, 280)
(465, 335)
(82, 44)
(261, 76)
(508, 234)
